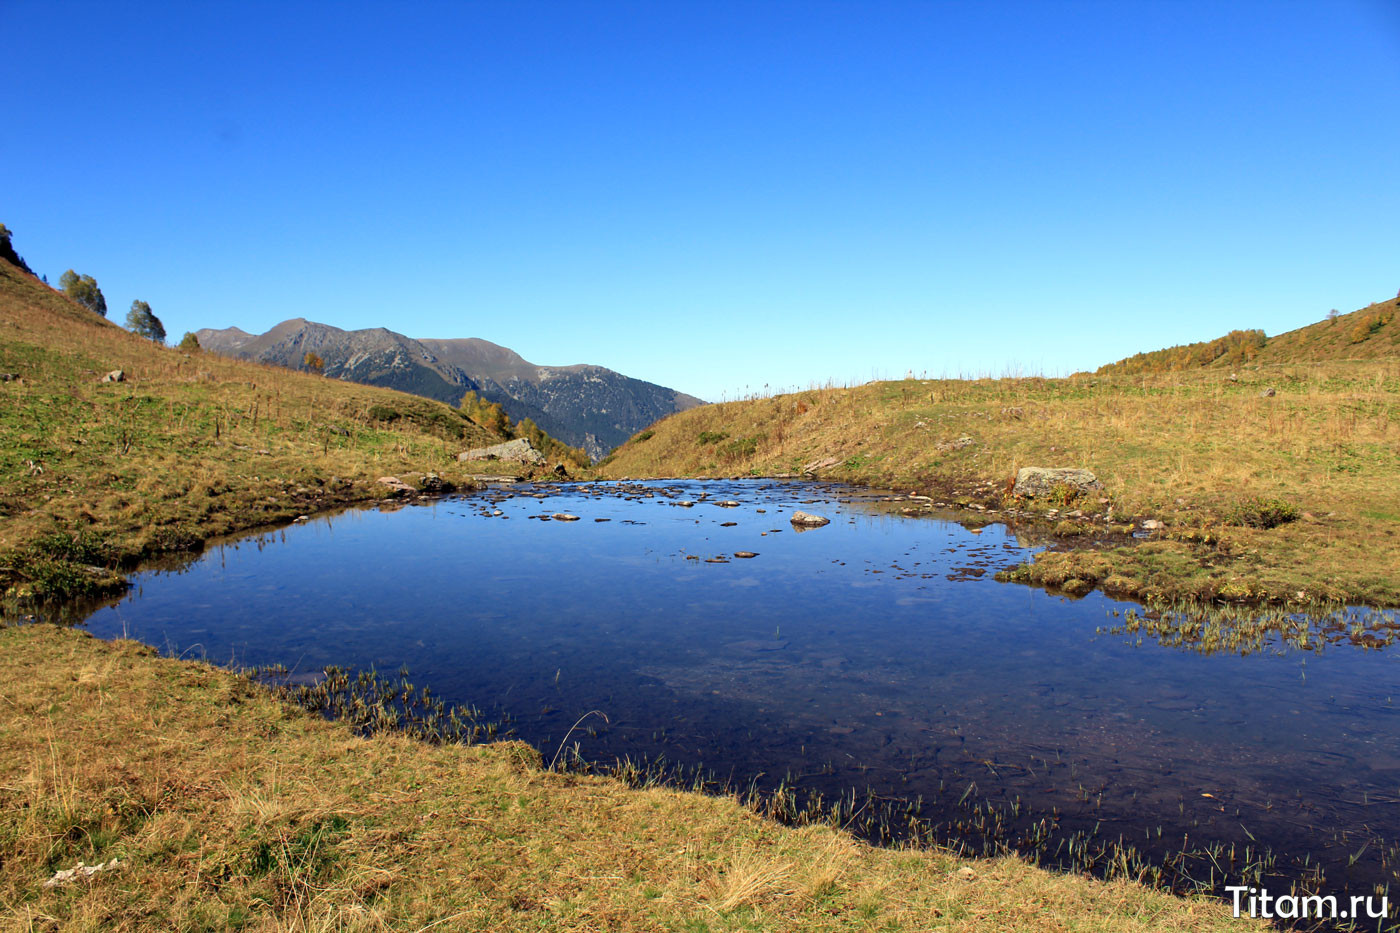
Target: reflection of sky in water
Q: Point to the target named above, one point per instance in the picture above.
(844, 649)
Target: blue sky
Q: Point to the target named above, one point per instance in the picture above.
(717, 197)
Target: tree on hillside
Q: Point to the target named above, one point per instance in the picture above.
(1333, 315)
(7, 250)
(140, 321)
(490, 415)
(83, 289)
(314, 362)
(189, 342)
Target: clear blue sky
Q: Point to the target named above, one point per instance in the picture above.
(717, 196)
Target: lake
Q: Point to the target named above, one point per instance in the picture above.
(873, 656)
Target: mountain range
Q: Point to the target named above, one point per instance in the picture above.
(589, 407)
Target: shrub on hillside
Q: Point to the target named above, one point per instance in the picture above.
(1260, 512)
(739, 448)
(1238, 346)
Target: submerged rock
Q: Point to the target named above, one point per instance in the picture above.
(1040, 481)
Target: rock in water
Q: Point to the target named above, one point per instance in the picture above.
(519, 450)
(396, 485)
(808, 520)
(1040, 481)
(564, 517)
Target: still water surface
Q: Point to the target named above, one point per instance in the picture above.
(874, 653)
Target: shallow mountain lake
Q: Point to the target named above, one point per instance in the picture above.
(876, 653)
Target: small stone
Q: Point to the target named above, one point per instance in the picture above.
(808, 520)
(564, 517)
(1268, 393)
(745, 554)
(115, 375)
(1152, 524)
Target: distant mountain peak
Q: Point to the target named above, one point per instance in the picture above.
(584, 405)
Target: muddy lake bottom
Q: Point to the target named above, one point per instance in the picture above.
(874, 660)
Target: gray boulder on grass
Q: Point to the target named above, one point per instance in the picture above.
(519, 451)
(1040, 481)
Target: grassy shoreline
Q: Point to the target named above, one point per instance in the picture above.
(1201, 452)
(226, 808)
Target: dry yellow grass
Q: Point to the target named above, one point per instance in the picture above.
(1183, 448)
(225, 809)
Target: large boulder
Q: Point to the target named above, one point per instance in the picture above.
(1040, 481)
(824, 463)
(517, 451)
(808, 520)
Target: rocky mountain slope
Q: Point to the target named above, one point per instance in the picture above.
(589, 407)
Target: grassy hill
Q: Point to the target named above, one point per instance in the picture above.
(1211, 451)
(95, 475)
(1368, 334)
(212, 804)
